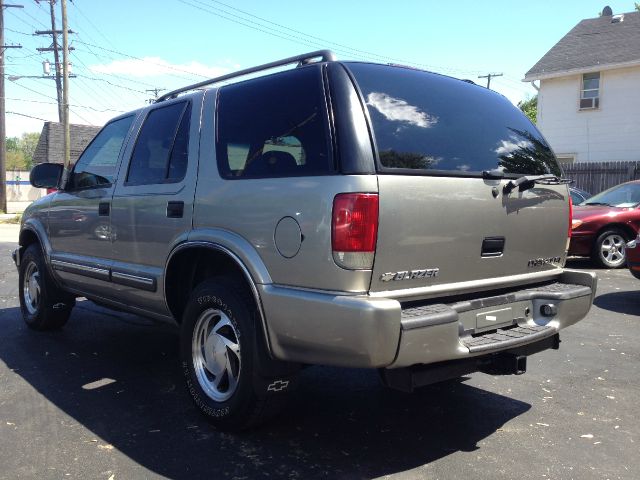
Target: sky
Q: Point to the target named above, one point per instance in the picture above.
(125, 48)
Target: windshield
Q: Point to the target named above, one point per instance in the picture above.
(430, 122)
(625, 195)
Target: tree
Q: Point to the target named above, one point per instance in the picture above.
(637, 5)
(28, 143)
(12, 144)
(530, 107)
(16, 161)
(20, 151)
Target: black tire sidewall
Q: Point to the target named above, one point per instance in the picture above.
(45, 317)
(213, 294)
(597, 256)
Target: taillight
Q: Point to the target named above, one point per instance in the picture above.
(354, 230)
(570, 216)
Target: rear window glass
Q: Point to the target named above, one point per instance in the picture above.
(274, 126)
(428, 122)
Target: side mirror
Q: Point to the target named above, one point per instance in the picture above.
(46, 175)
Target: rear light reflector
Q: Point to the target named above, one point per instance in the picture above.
(571, 217)
(354, 230)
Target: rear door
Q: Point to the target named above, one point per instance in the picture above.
(153, 201)
(444, 226)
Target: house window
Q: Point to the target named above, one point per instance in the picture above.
(590, 92)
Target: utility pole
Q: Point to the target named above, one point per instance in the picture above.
(65, 90)
(489, 76)
(3, 129)
(56, 59)
(56, 54)
(155, 92)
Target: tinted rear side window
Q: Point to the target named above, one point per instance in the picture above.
(432, 123)
(161, 151)
(274, 126)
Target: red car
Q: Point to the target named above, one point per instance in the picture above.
(633, 256)
(604, 223)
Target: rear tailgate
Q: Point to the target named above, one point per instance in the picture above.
(435, 229)
(445, 150)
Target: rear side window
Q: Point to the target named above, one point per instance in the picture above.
(274, 126)
(99, 162)
(432, 123)
(161, 151)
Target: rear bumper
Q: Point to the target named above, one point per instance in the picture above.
(360, 331)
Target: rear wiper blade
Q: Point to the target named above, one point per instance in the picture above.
(597, 203)
(528, 181)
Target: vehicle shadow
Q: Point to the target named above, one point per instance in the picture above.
(620, 302)
(340, 422)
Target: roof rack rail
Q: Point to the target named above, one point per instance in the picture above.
(324, 55)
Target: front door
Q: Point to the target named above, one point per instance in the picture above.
(79, 218)
(153, 201)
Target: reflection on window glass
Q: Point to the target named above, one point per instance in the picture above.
(161, 150)
(396, 109)
(425, 121)
(274, 126)
(98, 163)
(290, 145)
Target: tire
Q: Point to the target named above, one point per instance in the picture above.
(223, 358)
(44, 306)
(609, 249)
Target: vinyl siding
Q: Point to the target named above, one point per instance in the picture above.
(610, 133)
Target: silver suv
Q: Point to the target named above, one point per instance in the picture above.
(336, 213)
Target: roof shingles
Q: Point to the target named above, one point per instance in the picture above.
(50, 147)
(592, 43)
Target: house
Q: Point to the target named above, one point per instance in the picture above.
(589, 92)
(50, 147)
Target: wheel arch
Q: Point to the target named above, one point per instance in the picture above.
(34, 232)
(192, 262)
(28, 237)
(624, 227)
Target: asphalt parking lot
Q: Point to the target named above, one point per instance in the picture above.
(104, 399)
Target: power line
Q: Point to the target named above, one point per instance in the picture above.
(107, 97)
(170, 67)
(111, 83)
(115, 75)
(28, 116)
(304, 38)
(74, 106)
(323, 42)
(89, 122)
(91, 23)
(33, 18)
(16, 31)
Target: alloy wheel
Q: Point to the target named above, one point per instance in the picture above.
(216, 354)
(612, 250)
(31, 288)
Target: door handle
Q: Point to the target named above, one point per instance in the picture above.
(103, 209)
(175, 209)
